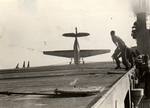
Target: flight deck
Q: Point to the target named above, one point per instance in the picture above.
(34, 87)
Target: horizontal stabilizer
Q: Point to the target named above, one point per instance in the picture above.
(87, 53)
(61, 53)
(75, 35)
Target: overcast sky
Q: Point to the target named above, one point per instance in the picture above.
(27, 27)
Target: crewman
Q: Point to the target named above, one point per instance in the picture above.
(28, 64)
(120, 51)
(17, 66)
(143, 73)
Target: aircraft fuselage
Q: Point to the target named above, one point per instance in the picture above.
(76, 51)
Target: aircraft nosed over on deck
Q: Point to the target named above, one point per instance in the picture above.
(76, 53)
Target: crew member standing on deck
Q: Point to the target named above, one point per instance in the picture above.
(120, 51)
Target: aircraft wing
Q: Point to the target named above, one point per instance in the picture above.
(87, 53)
(61, 53)
(70, 53)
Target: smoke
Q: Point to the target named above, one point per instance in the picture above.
(139, 6)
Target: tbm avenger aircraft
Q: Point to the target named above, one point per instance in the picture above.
(76, 53)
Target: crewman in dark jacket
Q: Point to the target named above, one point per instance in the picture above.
(121, 51)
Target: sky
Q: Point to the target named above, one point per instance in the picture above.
(28, 27)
